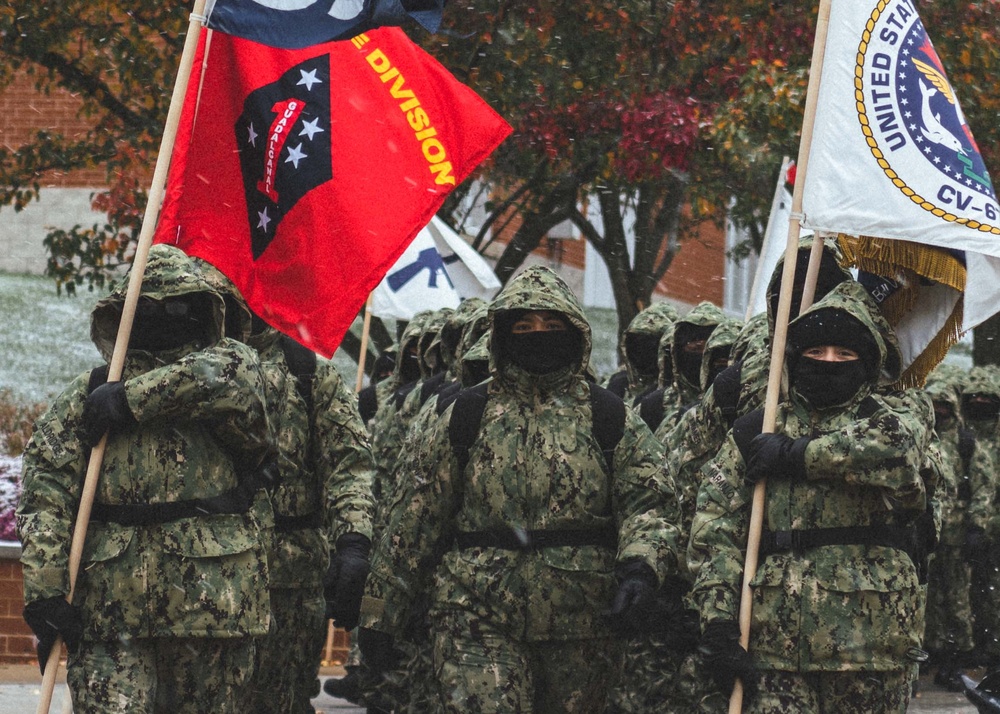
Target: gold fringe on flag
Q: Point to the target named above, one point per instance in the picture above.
(907, 263)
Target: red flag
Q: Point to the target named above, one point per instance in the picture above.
(304, 174)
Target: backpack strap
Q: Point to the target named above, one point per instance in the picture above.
(463, 426)
(608, 417)
(651, 409)
(607, 414)
(302, 363)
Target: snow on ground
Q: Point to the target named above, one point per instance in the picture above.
(10, 472)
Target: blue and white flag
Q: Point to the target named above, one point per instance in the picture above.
(418, 281)
(294, 24)
(893, 157)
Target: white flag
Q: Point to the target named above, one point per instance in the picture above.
(469, 271)
(892, 155)
(418, 281)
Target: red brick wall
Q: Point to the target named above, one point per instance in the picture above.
(24, 110)
(16, 643)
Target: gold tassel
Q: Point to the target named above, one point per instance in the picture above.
(906, 263)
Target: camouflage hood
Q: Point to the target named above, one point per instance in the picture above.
(704, 315)
(944, 386)
(830, 275)
(431, 355)
(723, 338)
(409, 338)
(454, 327)
(852, 298)
(169, 273)
(238, 317)
(537, 288)
(473, 356)
(982, 385)
(655, 321)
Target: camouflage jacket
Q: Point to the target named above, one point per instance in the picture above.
(966, 486)
(324, 482)
(833, 607)
(534, 466)
(200, 431)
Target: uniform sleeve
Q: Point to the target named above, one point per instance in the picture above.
(717, 548)
(884, 449)
(344, 462)
(645, 500)
(420, 517)
(222, 386)
(54, 467)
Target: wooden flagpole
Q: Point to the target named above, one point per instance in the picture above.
(363, 353)
(156, 193)
(781, 332)
(775, 200)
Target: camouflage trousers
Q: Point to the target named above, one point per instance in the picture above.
(949, 612)
(831, 693)
(659, 679)
(166, 675)
(480, 669)
(286, 669)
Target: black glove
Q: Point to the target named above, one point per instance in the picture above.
(745, 428)
(977, 545)
(344, 583)
(106, 409)
(725, 660)
(631, 607)
(378, 652)
(778, 456)
(53, 617)
(726, 390)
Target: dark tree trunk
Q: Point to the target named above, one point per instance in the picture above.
(986, 342)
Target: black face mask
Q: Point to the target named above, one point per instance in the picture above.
(689, 366)
(944, 416)
(477, 371)
(985, 409)
(826, 384)
(542, 352)
(641, 352)
(167, 325)
(409, 367)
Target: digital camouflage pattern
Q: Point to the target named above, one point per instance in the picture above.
(201, 430)
(982, 389)
(682, 394)
(838, 607)
(655, 321)
(965, 492)
(323, 490)
(182, 675)
(534, 466)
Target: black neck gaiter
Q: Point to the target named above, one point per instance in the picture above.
(826, 384)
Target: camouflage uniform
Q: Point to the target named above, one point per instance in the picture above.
(685, 393)
(323, 491)
(980, 408)
(840, 615)
(521, 630)
(659, 672)
(966, 500)
(170, 605)
(649, 325)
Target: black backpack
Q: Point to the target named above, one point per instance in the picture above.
(607, 411)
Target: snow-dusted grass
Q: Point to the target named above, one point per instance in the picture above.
(46, 337)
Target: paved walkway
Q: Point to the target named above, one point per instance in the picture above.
(19, 692)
